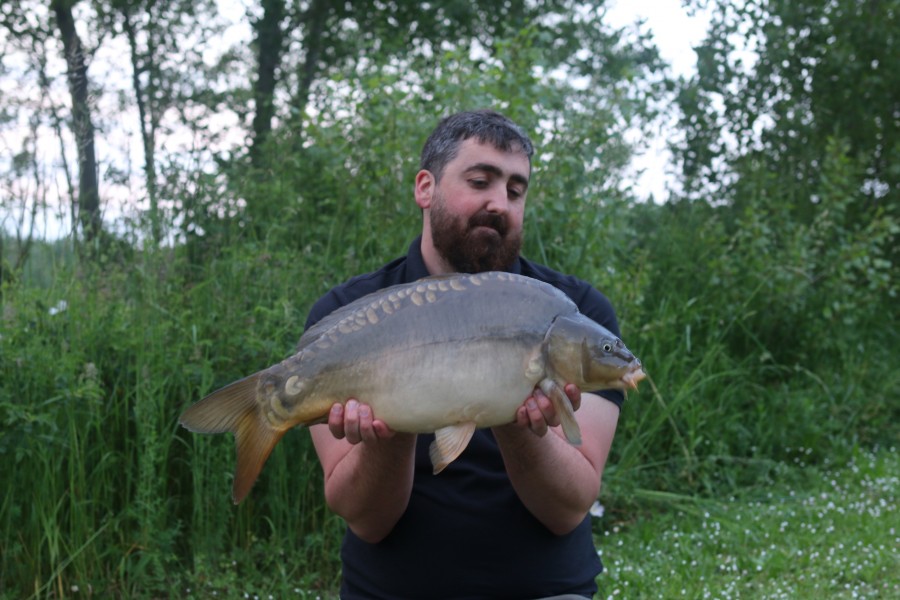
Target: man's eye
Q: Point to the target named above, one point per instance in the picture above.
(478, 183)
(514, 193)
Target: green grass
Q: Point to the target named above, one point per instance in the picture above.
(807, 532)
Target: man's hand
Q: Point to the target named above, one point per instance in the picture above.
(356, 423)
(556, 481)
(367, 484)
(538, 413)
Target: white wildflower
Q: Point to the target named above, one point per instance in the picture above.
(61, 306)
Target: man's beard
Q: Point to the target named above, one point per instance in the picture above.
(468, 248)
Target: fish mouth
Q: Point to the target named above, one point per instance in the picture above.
(632, 378)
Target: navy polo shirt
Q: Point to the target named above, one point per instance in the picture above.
(465, 533)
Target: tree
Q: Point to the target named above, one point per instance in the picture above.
(797, 143)
(574, 82)
(156, 31)
(82, 126)
(815, 71)
(353, 54)
(337, 36)
(269, 45)
(22, 188)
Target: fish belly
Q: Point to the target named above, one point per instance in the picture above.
(423, 389)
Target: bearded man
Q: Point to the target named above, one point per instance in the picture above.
(509, 517)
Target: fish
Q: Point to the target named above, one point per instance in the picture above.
(443, 355)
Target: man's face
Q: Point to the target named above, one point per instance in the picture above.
(478, 206)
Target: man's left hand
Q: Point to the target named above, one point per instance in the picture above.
(538, 413)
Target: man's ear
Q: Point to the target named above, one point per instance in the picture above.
(424, 188)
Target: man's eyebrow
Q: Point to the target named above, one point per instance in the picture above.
(495, 170)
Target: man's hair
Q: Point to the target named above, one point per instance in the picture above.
(487, 126)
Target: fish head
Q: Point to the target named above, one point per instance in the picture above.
(587, 354)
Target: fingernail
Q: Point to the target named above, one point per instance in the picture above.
(532, 405)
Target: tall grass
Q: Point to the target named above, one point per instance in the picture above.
(746, 356)
(103, 486)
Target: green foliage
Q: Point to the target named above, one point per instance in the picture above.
(327, 178)
(778, 79)
(729, 312)
(787, 239)
(760, 331)
(93, 373)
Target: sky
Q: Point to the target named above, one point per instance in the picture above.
(676, 34)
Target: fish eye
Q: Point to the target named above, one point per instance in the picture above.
(607, 347)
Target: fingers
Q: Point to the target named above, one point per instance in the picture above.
(537, 420)
(574, 394)
(538, 414)
(356, 423)
(336, 421)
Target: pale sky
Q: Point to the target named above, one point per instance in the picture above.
(675, 34)
(673, 30)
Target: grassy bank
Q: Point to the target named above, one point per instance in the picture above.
(809, 532)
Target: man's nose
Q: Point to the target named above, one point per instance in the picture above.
(497, 201)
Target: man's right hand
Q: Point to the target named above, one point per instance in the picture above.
(355, 422)
(368, 484)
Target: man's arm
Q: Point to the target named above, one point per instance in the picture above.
(558, 482)
(368, 469)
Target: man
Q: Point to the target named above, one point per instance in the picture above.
(508, 518)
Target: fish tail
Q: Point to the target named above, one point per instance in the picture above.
(234, 408)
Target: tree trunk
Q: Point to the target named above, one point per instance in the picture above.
(83, 129)
(270, 42)
(314, 21)
(146, 116)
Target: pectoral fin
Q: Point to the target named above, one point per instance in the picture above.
(564, 409)
(449, 443)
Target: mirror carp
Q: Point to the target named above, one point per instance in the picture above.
(446, 355)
